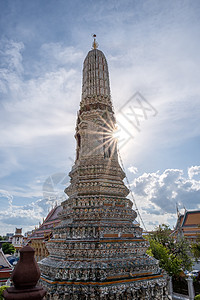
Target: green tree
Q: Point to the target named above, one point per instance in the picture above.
(162, 235)
(167, 261)
(174, 255)
(182, 251)
(8, 248)
(2, 289)
(195, 248)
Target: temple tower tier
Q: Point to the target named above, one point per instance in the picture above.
(97, 251)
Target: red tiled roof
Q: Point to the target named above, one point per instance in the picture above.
(189, 223)
(191, 218)
(51, 220)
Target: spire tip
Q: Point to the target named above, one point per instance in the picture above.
(95, 44)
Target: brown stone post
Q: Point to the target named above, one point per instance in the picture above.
(25, 277)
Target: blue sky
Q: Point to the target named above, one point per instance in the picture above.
(152, 47)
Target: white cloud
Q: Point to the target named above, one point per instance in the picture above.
(26, 216)
(162, 63)
(39, 106)
(193, 171)
(11, 56)
(31, 209)
(9, 163)
(157, 193)
(59, 54)
(133, 169)
(11, 67)
(6, 198)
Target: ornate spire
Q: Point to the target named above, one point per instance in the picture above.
(95, 44)
(97, 252)
(95, 75)
(96, 121)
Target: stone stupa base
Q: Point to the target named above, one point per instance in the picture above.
(151, 288)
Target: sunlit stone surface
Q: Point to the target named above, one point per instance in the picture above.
(97, 252)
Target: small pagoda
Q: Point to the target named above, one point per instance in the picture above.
(97, 252)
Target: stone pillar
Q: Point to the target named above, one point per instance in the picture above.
(25, 277)
(170, 287)
(190, 288)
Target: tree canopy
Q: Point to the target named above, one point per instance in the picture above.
(173, 254)
(196, 250)
(196, 247)
(2, 289)
(8, 248)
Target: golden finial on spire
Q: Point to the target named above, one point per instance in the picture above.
(95, 44)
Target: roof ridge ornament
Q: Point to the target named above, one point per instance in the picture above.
(95, 44)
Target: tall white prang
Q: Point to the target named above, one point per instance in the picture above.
(97, 251)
